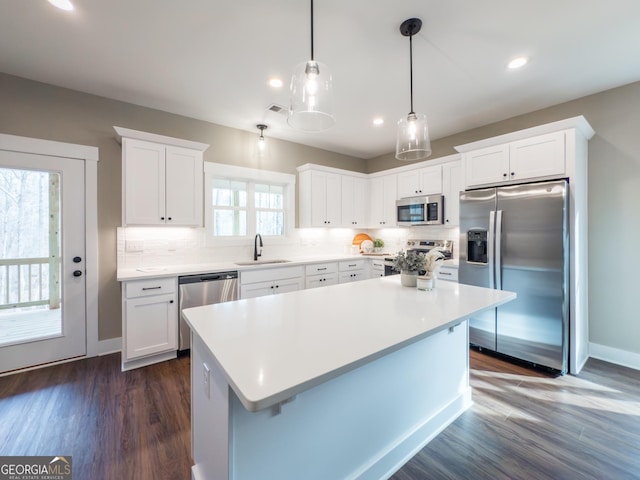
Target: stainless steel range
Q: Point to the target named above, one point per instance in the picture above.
(421, 246)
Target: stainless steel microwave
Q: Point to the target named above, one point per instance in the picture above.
(423, 210)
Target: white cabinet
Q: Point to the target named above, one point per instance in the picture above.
(452, 185)
(383, 196)
(377, 268)
(258, 283)
(353, 270)
(448, 273)
(149, 321)
(162, 179)
(542, 156)
(319, 199)
(422, 181)
(355, 201)
(321, 274)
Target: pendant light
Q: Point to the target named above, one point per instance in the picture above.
(261, 143)
(413, 141)
(311, 107)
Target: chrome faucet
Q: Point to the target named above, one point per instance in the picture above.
(257, 254)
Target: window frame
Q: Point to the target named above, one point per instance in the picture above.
(251, 176)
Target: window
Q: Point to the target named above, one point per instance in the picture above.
(241, 202)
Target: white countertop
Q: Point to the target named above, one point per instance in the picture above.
(140, 273)
(271, 348)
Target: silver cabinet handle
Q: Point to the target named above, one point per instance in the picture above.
(151, 288)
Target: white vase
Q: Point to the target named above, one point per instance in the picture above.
(408, 279)
(434, 279)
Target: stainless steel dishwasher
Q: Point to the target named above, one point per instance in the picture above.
(205, 289)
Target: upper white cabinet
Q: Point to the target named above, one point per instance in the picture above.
(162, 180)
(452, 185)
(521, 160)
(422, 181)
(330, 197)
(382, 204)
(355, 201)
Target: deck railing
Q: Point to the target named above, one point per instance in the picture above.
(26, 282)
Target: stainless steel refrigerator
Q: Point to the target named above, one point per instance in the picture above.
(516, 238)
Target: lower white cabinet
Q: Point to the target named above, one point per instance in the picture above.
(321, 274)
(258, 283)
(149, 321)
(377, 268)
(353, 270)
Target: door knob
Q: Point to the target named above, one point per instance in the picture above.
(77, 273)
(77, 259)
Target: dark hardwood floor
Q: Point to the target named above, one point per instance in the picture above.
(524, 424)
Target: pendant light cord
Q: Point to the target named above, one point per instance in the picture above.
(312, 30)
(411, 72)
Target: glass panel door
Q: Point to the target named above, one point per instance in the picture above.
(29, 255)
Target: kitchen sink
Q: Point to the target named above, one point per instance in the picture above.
(262, 262)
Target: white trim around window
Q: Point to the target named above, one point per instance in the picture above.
(219, 170)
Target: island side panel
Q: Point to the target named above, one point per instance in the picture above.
(364, 424)
(209, 415)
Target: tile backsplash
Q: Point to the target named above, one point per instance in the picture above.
(156, 246)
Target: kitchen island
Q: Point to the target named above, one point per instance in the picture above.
(347, 381)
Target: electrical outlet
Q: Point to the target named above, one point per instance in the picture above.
(134, 245)
(206, 380)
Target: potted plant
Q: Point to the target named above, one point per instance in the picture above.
(409, 264)
(378, 245)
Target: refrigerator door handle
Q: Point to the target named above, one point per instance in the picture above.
(490, 248)
(498, 251)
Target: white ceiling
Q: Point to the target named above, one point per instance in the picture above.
(211, 59)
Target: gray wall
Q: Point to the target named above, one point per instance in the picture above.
(33, 109)
(37, 110)
(614, 203)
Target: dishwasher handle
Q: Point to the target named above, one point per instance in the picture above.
(207, 277)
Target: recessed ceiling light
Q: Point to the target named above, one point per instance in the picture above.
(275, 82)
(517, 62)
(377, 121)
(62, 4)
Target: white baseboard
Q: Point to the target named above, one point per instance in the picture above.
(110, 345)
(615, 355)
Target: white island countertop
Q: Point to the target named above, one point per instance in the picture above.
(274, 347)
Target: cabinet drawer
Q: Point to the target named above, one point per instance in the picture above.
(321, 268)
(450, 274)
(148, 287)
(347, 266)
(314, 281)
(270, 274)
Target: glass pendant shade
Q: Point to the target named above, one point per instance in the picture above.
(261, 147)
(311, 97)
(413, 141)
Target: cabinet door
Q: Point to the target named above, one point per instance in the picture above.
(353, 276)
(315, 281)
(390, 195)
(253, 290)
(431, 180)
(540, 156)
(354, 201)
(184, 187)
(376, 202)
(325, 199)
(452, 185)
(486, 166)
(409, 184)
(151, 325)
(143, 178)
(289, 285)
(382, 203)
